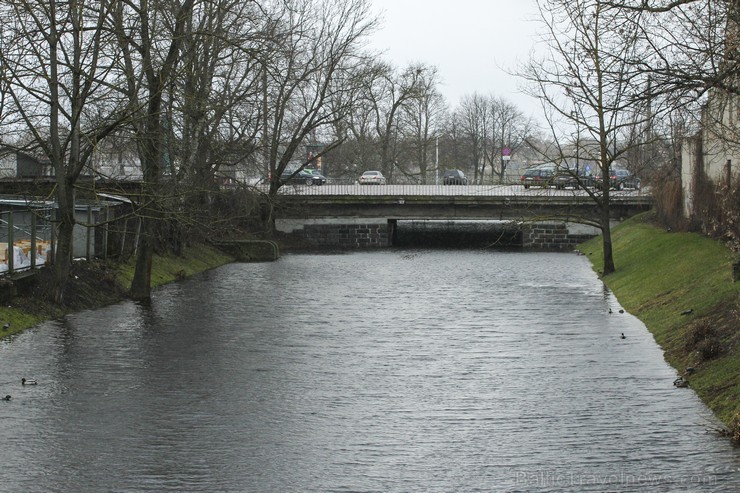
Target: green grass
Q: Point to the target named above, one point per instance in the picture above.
(18, 318)
(660, 274)
(96, 287)
(168, 268)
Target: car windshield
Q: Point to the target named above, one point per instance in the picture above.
(538, 171)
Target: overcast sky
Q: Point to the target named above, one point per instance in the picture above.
(471, 42)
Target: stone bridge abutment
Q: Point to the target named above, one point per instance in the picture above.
(546, 222)
(366, 233)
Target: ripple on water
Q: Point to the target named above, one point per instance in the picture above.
(378, 371)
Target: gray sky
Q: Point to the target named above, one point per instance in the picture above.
(471, 42)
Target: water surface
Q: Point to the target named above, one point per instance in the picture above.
(382, 371)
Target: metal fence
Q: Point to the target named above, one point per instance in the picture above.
(28, 235)
(26, 239)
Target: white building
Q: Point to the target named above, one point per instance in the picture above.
(711, 159)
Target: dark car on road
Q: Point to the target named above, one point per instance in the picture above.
(625, 179)
(565, 178)
(619, 179)
(539, 176)
(454, 177)
(303, 177)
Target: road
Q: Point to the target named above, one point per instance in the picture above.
(437, 190)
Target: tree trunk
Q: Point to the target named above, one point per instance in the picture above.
(606, 230)
(606, 235)
(63, 257)
(64, 246)
(141, 286)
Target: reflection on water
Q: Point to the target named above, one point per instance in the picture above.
(383, 371)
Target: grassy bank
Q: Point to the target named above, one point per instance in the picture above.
(168, 268)
(95, 284)
(680, 285)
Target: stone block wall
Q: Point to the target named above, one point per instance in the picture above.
(346, 235)
(380, 234)
(551, 236)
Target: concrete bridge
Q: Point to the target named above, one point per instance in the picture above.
(372, 216)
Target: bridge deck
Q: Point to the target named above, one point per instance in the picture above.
(443, 190)
(499, 202)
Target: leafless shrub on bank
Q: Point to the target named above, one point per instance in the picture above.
(704, 341)
(668, 205)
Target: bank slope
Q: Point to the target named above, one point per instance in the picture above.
(680, 285)
(99, 283)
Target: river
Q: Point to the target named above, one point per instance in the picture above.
(388, 371)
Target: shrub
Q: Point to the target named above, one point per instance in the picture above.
(703, 339)
(708, 349)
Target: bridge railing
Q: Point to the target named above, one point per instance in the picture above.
(351, 187)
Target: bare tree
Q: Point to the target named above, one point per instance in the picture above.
(58, 64)
(380, 120)
(474, 119)
(692, 44)
(588, 81)
(389, 95)
(451, 148)
(213, 113)
(419, 124)
(311, 76)
(484, 126)
(507, 128)
(692, 59)
(151, 36)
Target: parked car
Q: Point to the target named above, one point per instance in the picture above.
(539, 176)
(454, 177)
(372, 178)
(619, 179)
(625, 179)
(564, 178)
(305, 176)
